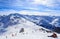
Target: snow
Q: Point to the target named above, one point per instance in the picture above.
(31, 31)
(1, 25)
(54, 21)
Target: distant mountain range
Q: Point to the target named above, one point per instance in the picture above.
(49, 22)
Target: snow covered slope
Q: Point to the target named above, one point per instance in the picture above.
(31, 31)
(13, 19)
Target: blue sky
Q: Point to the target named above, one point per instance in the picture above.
(32, 5)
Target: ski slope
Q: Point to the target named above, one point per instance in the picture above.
(31, 31)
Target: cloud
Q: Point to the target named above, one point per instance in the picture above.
(29, 12)
(49, 3)
(10, 2)
(39, 5)
(7, 12)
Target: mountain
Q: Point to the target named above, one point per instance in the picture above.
(56, 22)
(44, 21)
(47, 22)
(30, 31)
(9, 20)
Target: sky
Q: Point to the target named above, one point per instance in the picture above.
(42, 6)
